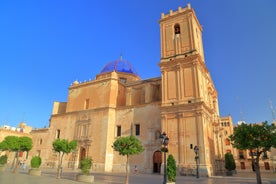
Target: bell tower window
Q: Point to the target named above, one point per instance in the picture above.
(58, 133)
(119, 128)
(176, 29)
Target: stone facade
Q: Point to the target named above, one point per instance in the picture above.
(183, 102)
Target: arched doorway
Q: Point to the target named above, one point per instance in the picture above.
(82, 153)
(157, 161)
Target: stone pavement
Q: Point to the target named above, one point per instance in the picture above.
(68, 177)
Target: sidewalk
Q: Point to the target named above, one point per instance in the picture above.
(7, 177)
(68, 177)
(251, 174)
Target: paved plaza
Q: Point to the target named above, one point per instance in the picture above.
(68, 177)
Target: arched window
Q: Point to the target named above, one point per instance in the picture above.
(176, 29)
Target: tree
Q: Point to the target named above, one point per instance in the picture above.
(171, 168)
(10, 143)
(3, 146)
(63, 146)
(127, 146)
(25, 144)
(3, 160)
(36, 162)
(257, 138)
(85, 165)
(230, 164)
(16, 144)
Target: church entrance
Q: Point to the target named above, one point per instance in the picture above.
(82, 153)
(157, 161)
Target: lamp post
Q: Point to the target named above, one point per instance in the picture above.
(164, 141)
(196, 149)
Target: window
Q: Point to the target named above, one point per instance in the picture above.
(21, 153)
(265, 156)
(242, 165)
(86, 104)
(241, 156)
(123, 80)
(40, 141)
(156, 92)
(58, 134)
(118, 131)
(137, 129)
(227, 142)
(267, 166)
(176, 29)
(253, 153)
(84, 131)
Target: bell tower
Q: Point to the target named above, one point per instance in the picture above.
(181, 34)
(189, 99)
(181, 56)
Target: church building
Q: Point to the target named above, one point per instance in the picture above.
(182, 102)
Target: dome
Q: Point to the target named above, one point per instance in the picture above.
(119, 65)
(75, 82)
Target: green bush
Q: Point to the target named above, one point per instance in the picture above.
(171, 168)
(85, 165)
(230, 164)
(36, 162)
(3, 159)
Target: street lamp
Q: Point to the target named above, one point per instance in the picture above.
(164, 141)
(196, 149)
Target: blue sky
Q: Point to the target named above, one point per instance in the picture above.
(45, 45)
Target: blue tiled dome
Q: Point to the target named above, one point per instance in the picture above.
(119, 66)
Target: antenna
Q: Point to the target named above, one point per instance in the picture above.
(272, 110)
